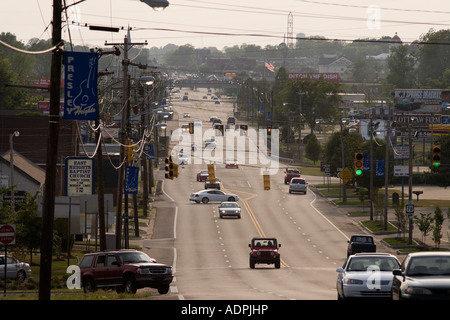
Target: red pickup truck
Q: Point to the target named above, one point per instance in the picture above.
(290, 173)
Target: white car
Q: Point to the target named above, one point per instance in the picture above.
(15, 269)
(212, 195)
(183, 159)
(231, 163)
(366, 275)
(227, 209)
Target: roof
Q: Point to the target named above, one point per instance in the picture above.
(25, 166)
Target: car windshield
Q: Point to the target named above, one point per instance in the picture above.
(229, 205)
(429, 266)
(265, 243)
(372, 264)
(134, 257)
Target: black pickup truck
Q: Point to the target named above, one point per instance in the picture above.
(361, 243)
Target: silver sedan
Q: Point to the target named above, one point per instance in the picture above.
(366, 275)
(15, 269)
(229, 209)
(213, 195)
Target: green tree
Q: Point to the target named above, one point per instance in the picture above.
(437, 226)
(434, 56)
(424, 223)
(401, 68)
(313, 148)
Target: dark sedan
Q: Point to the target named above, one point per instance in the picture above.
(423, 275)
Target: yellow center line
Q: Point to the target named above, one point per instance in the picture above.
(253, 217)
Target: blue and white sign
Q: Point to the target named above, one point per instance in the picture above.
(80, 90)
(131, 180)
(379, 169)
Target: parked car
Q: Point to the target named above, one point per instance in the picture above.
(124, 270)
(202, 175)
(14, 269)
(290, 173)
(298, 185)
(361, 243)
(366, 275)
(264, 250)
(212, 195)
(227, 209)
(424, 276)
(231, 163)
(212, 185)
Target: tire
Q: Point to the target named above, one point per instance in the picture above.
(231, 199)
(129, 285)
(21, 275)
(252, 263)
(205, 200)
(163, 289)
(277, 264)
(88, 285)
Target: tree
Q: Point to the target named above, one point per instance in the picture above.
(437, 227)
(401, 68)
(434, 56)
(424, 222)
(313, 148)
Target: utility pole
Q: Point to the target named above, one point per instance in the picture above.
(123, 136)
(48, 211)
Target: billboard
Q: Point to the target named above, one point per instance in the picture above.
(331, 77)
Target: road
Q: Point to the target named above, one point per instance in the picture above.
(210, 255)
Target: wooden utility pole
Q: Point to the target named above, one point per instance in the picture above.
(48, 211)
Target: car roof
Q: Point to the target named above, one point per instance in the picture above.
(429, 253)
(373, 254)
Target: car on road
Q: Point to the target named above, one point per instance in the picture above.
(366, 275)
(212, 185)
(14, 269)
(264, 250)
(185, 98)
(124, 270)
(229, 209)
(183, 159)
(231, 163)
(423, 276)
(360, 243)
(231, 120)
(186, 115)
(210, 143)
(290, 173)
(298, 185)
(212, 195)
(202, 175)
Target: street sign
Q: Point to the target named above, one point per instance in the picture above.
(131, 180)
(80, 176)
(346, 175)
(409, 209)
(401, 171)
(7, 234)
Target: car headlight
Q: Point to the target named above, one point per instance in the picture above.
(417, 290)
(353, 281)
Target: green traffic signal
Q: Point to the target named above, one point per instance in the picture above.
(358, 172)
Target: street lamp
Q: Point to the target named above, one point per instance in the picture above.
(157, 5)
(11, 163)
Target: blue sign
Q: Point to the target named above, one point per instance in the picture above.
(379, 170)
(131, 180)
(80, 89)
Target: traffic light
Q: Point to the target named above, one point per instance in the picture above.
(244, 129)
(436, 156)
(358, 163)
(220, 128)
(130, 151)
(191, 127)
(169, 168)
(269, 129)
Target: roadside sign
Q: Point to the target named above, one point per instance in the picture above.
(346, 175)
(80, 176)
(401, 171)
(409, 209)
(131, 180)
(7, 234)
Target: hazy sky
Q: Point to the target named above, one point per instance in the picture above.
(218, 24)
